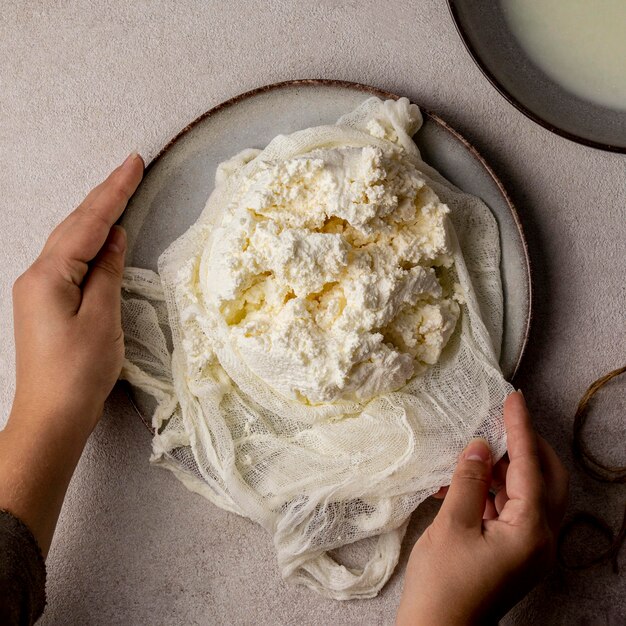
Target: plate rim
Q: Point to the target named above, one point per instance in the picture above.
(374, 91)
(511, 99)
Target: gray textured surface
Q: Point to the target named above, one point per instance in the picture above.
(83, 83)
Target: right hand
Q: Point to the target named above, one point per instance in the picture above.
(480, 556)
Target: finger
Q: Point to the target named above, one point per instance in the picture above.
(441, 494)
(502, 497)
(498, 479)
(102, 290)
(133, 161)
(490, 509)
(79, 238)
(556, 479)
(464, 504)
(524, 480)
(62, 227)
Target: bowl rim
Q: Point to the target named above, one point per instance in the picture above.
(507, 95)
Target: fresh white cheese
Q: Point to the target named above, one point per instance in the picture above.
(329, 271)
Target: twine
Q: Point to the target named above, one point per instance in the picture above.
(600, 472)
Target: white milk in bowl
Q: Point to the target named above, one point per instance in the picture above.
(580, 44)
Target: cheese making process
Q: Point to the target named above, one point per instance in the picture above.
(311, 306)
(336, 288)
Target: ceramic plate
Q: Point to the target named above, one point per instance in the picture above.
(179, 180)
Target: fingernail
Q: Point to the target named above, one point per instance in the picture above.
(521, 393)
(130, 160)
(117, 239)
(477, 450)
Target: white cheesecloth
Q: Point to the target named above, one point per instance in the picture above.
(320, 477)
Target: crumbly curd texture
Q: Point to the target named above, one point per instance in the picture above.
(323, 342)
(331, 271)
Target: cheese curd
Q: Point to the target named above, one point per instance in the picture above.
(330, 272)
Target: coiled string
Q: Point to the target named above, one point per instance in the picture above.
(601, 472)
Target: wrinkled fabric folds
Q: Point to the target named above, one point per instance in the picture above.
(320, 477)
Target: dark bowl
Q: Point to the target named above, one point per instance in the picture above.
(494, 48)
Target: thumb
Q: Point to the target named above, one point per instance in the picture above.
(102, 290)
(466, 498)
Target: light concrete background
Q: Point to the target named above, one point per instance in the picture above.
(84, 83)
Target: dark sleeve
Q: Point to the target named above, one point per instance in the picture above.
(22, 573)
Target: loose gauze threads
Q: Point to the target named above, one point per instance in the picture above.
(336, 319)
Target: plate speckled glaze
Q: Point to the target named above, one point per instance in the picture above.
(179, 180)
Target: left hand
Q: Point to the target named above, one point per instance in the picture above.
(68, 335)
(69, 350)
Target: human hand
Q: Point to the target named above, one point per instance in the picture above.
(69, 349)
(482, 554)
(68, 335)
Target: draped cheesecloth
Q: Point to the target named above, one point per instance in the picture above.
(320, 477)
